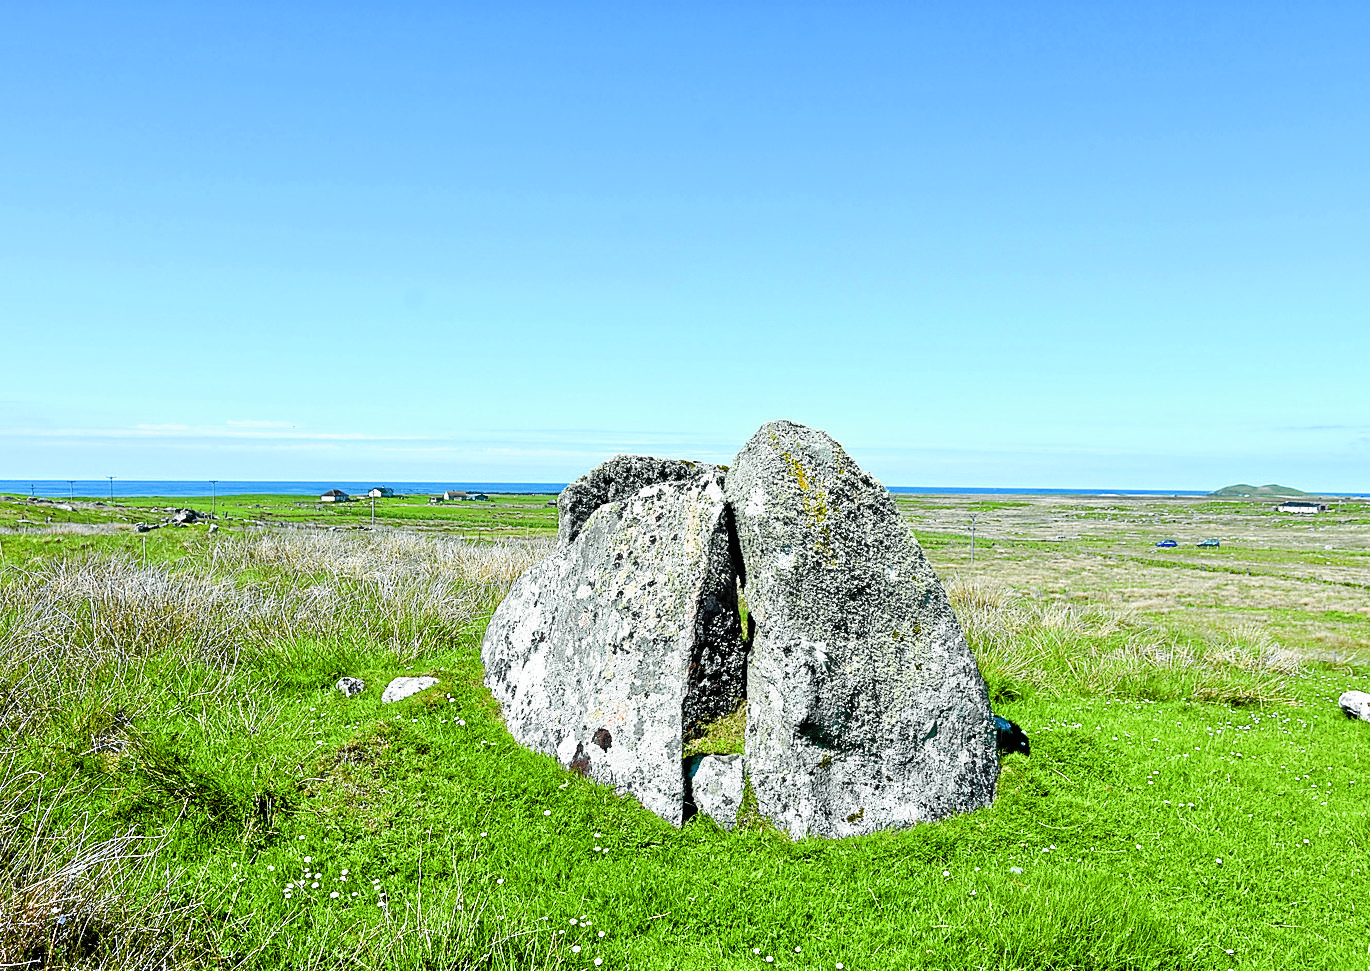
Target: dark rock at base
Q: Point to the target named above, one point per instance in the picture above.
(865, 707)
(620, 477)
(1009, 737)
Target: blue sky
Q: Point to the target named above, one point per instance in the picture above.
(1114, 246)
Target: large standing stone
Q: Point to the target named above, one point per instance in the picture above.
(620, 477)
(625, 641)
(865, 707)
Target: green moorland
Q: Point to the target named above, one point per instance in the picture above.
(182, 786)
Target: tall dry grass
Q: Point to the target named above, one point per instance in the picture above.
(75, 623)
(79, 634)
(1024, 644)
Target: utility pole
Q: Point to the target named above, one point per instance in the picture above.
(213, 496)
(972, 540)
(111, 487)
(373, 510)
(71, 487)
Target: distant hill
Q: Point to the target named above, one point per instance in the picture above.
(1242, 489)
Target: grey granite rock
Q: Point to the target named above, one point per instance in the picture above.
(716, 787)
(865, 707)
(620, 477)
(404, 687)
(1356, 704)
(625, 641)
(351, 686)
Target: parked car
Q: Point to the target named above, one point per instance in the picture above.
(1209, 544)
(1168, 543)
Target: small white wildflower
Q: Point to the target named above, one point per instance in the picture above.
(575, 948)
(547, 812)
(599, 961)
(314, 885)
(270, 869)
(601, 933)
(500, 880)
(334, 895)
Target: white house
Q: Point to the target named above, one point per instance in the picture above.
(334, 495)
(381, 492)
(454, 495)
(1301, 507)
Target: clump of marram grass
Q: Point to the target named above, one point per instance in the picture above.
(70, 898)
(1022, 644)
(72, 623)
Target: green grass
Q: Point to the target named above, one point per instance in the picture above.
(503, 515)
(191, 701)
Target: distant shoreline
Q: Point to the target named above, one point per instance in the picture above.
(195, 489)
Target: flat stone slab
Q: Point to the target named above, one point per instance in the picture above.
(625, 640)
(865, 707)
(404, 687)
(716, 787)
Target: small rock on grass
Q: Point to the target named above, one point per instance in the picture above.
(404, 687)
(351, 686)
(716, 786)
(1356, 704)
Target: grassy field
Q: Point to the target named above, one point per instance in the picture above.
(183, 786)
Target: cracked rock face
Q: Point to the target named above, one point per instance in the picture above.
(865, 707)
(619, 645)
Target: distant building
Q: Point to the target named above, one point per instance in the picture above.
(381, 492)
(454, 495)
(1301, 507)
(477, 497)
(435, 500)
(334, 495)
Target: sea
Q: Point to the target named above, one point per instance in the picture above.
(197, 488)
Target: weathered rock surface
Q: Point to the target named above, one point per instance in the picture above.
(1356, 704)
(402, 688)
(351, 687)
(716, 787)
(865, 707)
(620, 477)
(623, 642)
